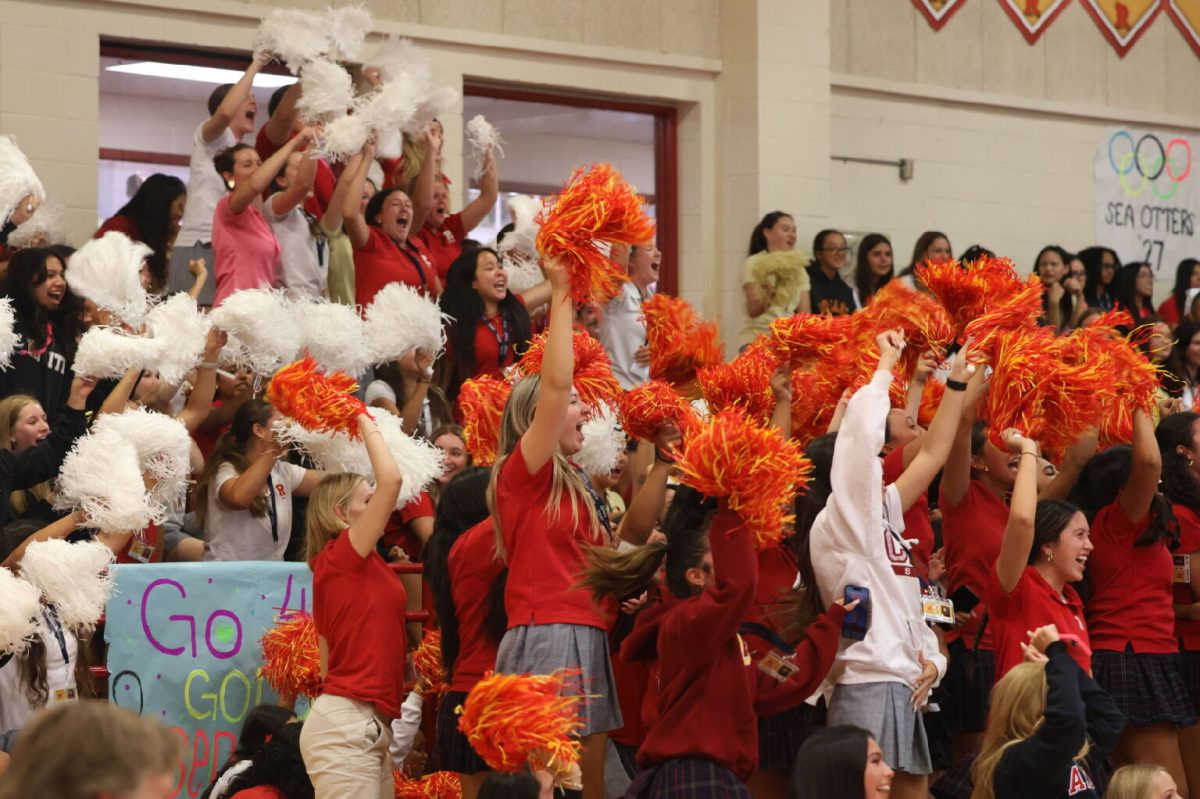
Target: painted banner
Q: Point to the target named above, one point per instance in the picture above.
(938, 12)
(1122, 21)
(1186, 16)
(183, 648)
(1146, 196)
(1033, 17)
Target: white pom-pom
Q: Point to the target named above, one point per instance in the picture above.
(102, 477)
(263, 322)
(72, 577)
(484, 140)
(434, 104)
(183, 329)
(335, 335)
(389, 143)
(398, 56)
(390, 109)
(345, 136)
(523, 238)
(17, 178)
(328, 91)
(107, 271)
(603, 442)
(294, 37)
(348, 28)
(332, 452)
(10, 339)
(110, 352)
(523, 273)
(47, 226)
(420, 462)
(400, 320)
(20, 604)
(163, 447)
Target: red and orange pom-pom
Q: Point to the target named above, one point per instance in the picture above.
(292, 656)
(923, 320)
(317, 401)
(969, 290)
(680, 342)
(814, 400)
(801, 339)
(510, 719)
(593, 370)
(1121, 375)
(479, 407)
(1020, 311)
(651, 406)
(596, 206)
(438, 785)
(744, 382)
(427, 661)
(753, 466)
(931, 400)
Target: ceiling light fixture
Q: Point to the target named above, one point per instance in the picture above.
(159, 69)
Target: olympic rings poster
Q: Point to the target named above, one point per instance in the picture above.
(1146, 197)
(183, 648)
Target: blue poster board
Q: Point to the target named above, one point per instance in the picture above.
(183, 648)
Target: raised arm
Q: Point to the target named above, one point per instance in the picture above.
(781, 389)
(279, 124)
(489, 189)
(245, 192)
(118, 399)
(241, 491)
(39, 463)
(1074, 460)
(368, 528)
(1022, 508)
(331, 222)
(536, 296)
(540, 441)
(422, 196)
(298, 189)
(57, 529)
(1139, 492)
(216, 124)
(646, 507)
(200, 401)
(352, 217)
(938, 441)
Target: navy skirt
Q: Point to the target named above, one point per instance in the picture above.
(1147, 687)
(454, 751)
(687, 778)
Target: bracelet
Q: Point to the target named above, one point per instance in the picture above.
(373, 432)
(1023, 454)
(956, 385)
(658, 456)
(207, 365)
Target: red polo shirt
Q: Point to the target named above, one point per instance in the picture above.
(971, 532)
(1188, 632)
(1131, 587)
(1032, 604)
(472, 568)
(380, 262)
(444, 243)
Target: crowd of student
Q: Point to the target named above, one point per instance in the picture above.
(1031, 625)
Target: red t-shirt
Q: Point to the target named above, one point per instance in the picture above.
(380, 262)
(545, 557)
(399, 532)
(916, 519)
(260, 792)
(1032, 604)
(472, 567)
(121, 224)
(151, 537)
(324, 181)
(358, 606)
(1131, 587)
(1168, 311)
(444, 243)
(1188, 632)
(971, 533)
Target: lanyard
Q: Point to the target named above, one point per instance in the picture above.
(501, 338)
(601, 506)
(51, 616)
(273, 512)
(39, 352)
(767, 634)
(416, 262)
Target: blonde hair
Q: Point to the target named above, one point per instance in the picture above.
(1133, 782)
(10, 408)
(1018, 709)
(322, 521)
(518, 415)
(79, 750)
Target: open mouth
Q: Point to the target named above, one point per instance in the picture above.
(402, 221)
(1081, 560)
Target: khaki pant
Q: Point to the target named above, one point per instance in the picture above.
(345, 749)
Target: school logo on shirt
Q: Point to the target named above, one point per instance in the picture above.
(1079, 782)
(280, 490)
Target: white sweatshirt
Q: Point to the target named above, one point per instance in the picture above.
(858, 540)
(405, 729)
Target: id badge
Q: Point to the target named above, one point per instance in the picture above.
(937, 609)
(140, 551)
(64, 695)
(1183, 568)
(779, 666)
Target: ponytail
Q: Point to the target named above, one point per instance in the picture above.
(611, 573)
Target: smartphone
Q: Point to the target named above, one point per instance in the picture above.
(964, 599)
(854, 626)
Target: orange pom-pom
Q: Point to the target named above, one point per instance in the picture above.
(972, 289)
(923, 320)
(931, 399)
(593, 370)
(438, 785)
(479, 407)
(292, 656)
(427, 661)
(317, 401)
(755, 467)
(744, 382)
(1121, 375)
(651, 406)
(814, 399)
(519, 720)
(596, 206)
(680, 343)
(1018, 312)
(801, 339)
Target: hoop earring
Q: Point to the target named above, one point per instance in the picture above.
(1049, 555)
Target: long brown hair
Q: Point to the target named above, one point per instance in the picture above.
(231, 448)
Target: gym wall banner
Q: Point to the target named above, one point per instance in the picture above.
(1146, 197)
(938, 12)
(1033, 17)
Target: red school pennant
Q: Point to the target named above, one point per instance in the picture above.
(938, 12)
(1122, 21)
(1033, 17)
(1186, 16)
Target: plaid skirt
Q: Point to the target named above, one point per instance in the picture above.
(1147, 687)
(966, 688)
(546, 648)
(885, 710)
(1189, 672)
(687, 778)
(780, 735)
(454, 751)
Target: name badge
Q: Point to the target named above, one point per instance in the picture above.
(140, 551)
(937, 609)
(778, 665)
(1183, 568)
(64, 695)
